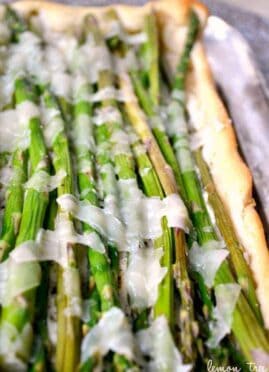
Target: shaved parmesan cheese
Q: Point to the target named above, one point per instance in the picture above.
(15, 346)
(126, 63)
(89, 59)
(26, 111)
(114, 28)
(143, 215)
(184, 157)
(53, 245)
(207, 259)
(52, 121)
(81, 88)
(108, 114)
(61, 84)
(109, 181)
(176, 123)
(120, 143)
(42, 181)
(143, 276)
(105, 223)
(82, 133)
(157, 343)
(17, 278)
(12, 134)
(134, 39)
(71, 280)
(52, 319)
(112, 332)
(6, 175)
(111, 92)
(176, 212)
(226, 299)
(156, 122)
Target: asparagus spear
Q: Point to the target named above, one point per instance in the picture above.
(188, 325)
(105, 290)
(14, 203)
(15, 23)
(99, 262)
(191, 184)
(243, 313)
(67, 351)
(14, 198)
(168, 182)
(108, 180)
(19, 312)
(39, 361)
(224, 275)
(225, 225)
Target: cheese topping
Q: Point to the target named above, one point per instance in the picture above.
(143, 276)
(157, 343)
(226, 299)
(207, 259)
(112, 332)
(42, 181)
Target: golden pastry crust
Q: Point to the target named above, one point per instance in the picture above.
(232, 177)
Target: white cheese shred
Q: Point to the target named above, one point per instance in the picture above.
(52, 245)
(42, 181)
(108, 114)
(17, 278)
(157, 343)
(100, 219)
(111, 92)
(14, 343)
(207, 259)
(226, 299)
(52, 122)
(112, 332)
(142, 216)
(143, 276)
(71, 281)
(26, 111)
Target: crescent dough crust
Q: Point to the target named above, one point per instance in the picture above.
(231, 175)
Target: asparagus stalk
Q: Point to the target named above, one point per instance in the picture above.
(67, 351)
(124, 165)
(169, 185)
(150, 105)
(243, 313)
(14, 203)
(105, 292)
(15, 193)
(39, 361)
(100, 265)
(146, 83)
(15, 23)
(188, 325)
(225, 225)
(103, 134)
(19, 312)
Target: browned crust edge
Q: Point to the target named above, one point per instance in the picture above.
(231, 176)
